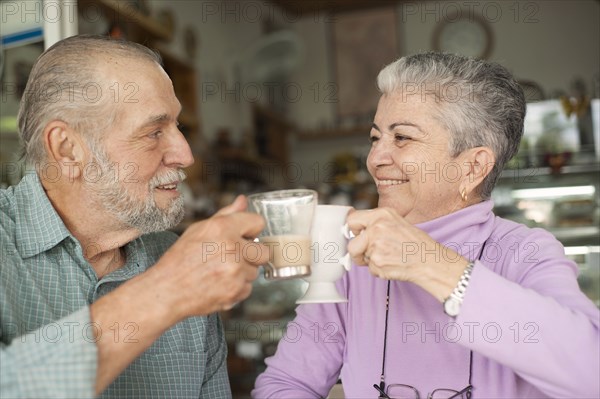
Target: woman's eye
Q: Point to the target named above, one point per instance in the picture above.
(400, 137)
(155, 135)
(373, 139)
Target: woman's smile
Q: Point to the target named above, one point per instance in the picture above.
(389, 182)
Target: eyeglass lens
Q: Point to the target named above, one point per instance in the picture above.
(401, 391)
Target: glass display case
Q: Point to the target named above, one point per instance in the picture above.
(564, 203)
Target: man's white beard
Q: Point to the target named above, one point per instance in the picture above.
(143, 215)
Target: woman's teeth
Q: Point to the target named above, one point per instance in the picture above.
(390, 182)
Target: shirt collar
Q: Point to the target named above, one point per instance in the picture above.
(39, 227)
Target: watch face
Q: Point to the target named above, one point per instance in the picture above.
(452, 306)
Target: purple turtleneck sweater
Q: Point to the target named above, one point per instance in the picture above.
(532, 332)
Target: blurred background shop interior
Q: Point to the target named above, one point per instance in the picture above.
(281, 94)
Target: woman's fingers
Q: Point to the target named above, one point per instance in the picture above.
(357, 248)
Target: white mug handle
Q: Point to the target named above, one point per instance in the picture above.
(347, 232)
(346, 261)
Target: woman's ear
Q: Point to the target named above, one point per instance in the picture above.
(478, 163)
(64, 148)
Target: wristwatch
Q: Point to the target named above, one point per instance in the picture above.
(454, 301)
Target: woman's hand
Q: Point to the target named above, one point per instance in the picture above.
(393, 249)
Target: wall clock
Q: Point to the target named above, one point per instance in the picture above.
(467, 34)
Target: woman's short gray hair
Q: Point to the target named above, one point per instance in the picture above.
(64, 85)
(480, 103)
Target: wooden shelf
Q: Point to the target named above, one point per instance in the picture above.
(170, 58)
(238, 155)
(188, 119)
(271, 130)
(183, 76)
(334, 133)
(312, 7)
(122, 12)
(546, 171)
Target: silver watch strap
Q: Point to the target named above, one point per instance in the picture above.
(463, 283)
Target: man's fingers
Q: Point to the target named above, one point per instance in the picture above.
(255, 253)
(251, 273)
(247, 225)
(238, 205)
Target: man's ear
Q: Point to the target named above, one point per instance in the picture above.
(478, 163)
(64, 148)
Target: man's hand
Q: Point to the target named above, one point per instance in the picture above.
(213, 264)
(210, 268)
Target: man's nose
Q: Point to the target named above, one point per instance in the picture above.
(178, 154)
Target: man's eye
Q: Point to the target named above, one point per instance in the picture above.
(155, 135)
(373, 139)
(400, 137)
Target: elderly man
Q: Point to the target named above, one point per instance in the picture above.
(94, 298)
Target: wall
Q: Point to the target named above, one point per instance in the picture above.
(549, 42)
(224, 30)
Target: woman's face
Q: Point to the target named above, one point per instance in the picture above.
(410, 160)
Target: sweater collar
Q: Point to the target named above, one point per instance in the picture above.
(464, 230)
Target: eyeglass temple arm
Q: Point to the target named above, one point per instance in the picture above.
(382, 393)
(467, 389)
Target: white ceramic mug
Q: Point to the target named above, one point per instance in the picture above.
(330, 258)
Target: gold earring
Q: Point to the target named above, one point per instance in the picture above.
(463, 195)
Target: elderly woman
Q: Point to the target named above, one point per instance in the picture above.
(455, 302)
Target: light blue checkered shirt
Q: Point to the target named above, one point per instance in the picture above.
(46, 287)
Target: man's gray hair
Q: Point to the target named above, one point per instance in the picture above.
(64, 85)
(480, 103)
